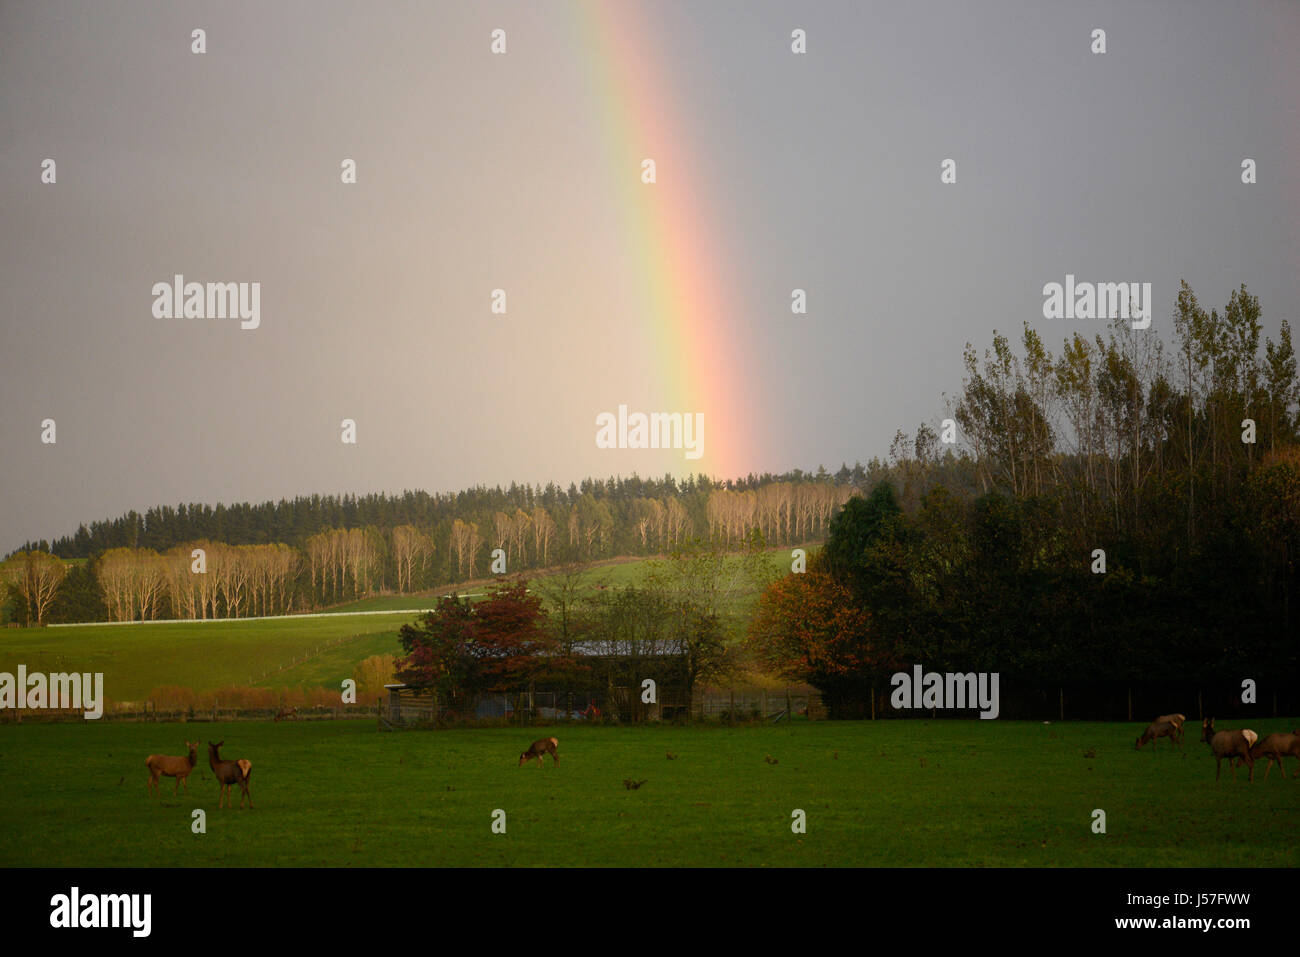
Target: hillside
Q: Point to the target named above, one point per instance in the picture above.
(206, 655)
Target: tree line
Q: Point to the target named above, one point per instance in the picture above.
(209, 578)
(616, 516)
(1118, 519)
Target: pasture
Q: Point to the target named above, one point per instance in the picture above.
(886, 793)
(619, 572)
(203, 655)
(277, 652)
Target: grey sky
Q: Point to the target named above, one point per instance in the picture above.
(818, 171)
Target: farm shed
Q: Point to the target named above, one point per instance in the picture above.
(595, 680)
(407, 706)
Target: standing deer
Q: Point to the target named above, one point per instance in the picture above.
(172, 767)
(1167, 725)
(1277, 746)
(538, 748)
(230, 772)
(1233, 745)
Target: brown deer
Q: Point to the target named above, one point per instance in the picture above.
(230, 772)
(1233, 745)
(538, 748)
(1166, 726)
(1277, 746)
(172, 767)
(286, 714)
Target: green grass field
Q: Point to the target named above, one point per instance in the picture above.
(617, 572)
(136, 658)
(887, 793)
(204, 656)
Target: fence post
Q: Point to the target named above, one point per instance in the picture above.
(1130, 704)
(1062, 691)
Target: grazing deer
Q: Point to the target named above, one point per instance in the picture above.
(538, 748)
(1277, 746)
(1166, 726)
(172, 767)
(287, 714)
(1233, 745)
(230, 772)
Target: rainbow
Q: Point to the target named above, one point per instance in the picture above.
(683, 270)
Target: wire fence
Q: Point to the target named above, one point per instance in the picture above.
(411, 707)
(307, 656)
(144, 711)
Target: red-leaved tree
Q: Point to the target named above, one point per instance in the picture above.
(497, 644)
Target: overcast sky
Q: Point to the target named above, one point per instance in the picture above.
(478, 171)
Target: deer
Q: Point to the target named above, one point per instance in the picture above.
(1167, 725)
(538, 748)
(1277, 746)
(1233, 745)
(172, 767)
(286, 714)
(230, 772)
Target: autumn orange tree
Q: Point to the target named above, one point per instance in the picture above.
(808, 627)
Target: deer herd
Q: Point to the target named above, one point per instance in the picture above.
(227, 772)
(1242, 746)
(1239, 747)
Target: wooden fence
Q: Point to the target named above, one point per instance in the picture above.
(145, 712)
